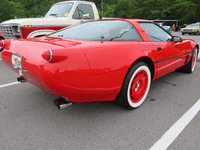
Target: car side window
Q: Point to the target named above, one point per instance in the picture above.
(83, 9)
(155, 32)
(130, 35)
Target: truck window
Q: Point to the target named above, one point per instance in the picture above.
(60, 10)
(83, 9)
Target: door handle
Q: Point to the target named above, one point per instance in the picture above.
(158, 48)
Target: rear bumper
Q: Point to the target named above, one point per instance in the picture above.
(75, 83)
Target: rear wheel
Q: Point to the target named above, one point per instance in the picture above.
(189, 68)
(136, 86)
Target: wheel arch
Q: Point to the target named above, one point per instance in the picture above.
(149, 62)
(197, 46)
(2, 38)
(39, 33)
(119, 99)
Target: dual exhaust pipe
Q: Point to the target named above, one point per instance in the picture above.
(21, 79)
(60, 102)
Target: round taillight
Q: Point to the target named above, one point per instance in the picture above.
(53, 56)
(47, 55)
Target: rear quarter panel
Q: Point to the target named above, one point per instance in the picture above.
(109, 57)
(106, 57)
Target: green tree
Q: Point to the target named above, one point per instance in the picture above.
(145, 9)
(121, 10)
(7, 10)
(20, 11)
(188, 10)
(32, 8)
(108, 10)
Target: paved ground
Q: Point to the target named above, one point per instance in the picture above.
(30, 121)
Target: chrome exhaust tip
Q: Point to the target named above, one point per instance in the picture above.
(21, 79)
(62, 103)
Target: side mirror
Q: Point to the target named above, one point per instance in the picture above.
(86, 16)
(177, 39)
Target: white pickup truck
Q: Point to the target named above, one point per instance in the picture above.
(60, 15)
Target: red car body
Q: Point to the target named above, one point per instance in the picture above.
(85, 71)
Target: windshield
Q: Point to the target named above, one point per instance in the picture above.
(193, 26)
(60, 10)
(100, 31)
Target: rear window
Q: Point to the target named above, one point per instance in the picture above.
(106, 30)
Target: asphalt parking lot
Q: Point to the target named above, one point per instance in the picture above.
(30, 120)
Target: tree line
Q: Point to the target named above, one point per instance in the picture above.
(186, 11)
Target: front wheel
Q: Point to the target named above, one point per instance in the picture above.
(189, 68)
(136, 85)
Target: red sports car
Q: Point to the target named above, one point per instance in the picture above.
(101, 60)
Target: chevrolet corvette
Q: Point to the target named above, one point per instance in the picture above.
(104, 60)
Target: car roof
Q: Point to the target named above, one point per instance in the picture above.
(129, 20)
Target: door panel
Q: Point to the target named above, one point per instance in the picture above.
(169, 57)
(170, 54)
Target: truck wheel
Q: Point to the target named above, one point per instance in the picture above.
(136, 86)
(189, 68)
(183, 33)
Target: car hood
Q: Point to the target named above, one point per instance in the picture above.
(39, 21)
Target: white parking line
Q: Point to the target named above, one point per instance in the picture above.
(9, 84)
(165, 141)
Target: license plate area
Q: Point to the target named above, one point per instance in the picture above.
(16, 61)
